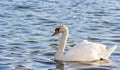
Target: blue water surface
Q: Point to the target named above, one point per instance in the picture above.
(26, 27)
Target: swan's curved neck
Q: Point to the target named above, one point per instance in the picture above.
(60, 52)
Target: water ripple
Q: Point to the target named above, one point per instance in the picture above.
(26, 27)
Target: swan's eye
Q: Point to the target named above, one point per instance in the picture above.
(56, 31)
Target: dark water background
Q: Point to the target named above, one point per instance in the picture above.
(26, 27)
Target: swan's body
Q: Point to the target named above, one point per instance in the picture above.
(84, 51)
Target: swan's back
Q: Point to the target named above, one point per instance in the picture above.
(86, 51)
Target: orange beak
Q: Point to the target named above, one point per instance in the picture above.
(55, 33)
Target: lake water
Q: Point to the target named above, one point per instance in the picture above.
(26, 27)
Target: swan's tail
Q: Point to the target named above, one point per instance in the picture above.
(109, 52)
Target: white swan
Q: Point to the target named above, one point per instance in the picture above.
(84, 51)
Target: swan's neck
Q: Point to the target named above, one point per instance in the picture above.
(60, 51)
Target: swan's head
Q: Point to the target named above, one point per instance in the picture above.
(60, 29)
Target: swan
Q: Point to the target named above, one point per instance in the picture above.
(84, 51)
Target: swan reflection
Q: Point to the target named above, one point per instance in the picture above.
(92, 65)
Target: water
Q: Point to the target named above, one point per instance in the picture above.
(26, 27)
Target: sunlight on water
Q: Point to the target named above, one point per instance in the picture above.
(26, 27)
